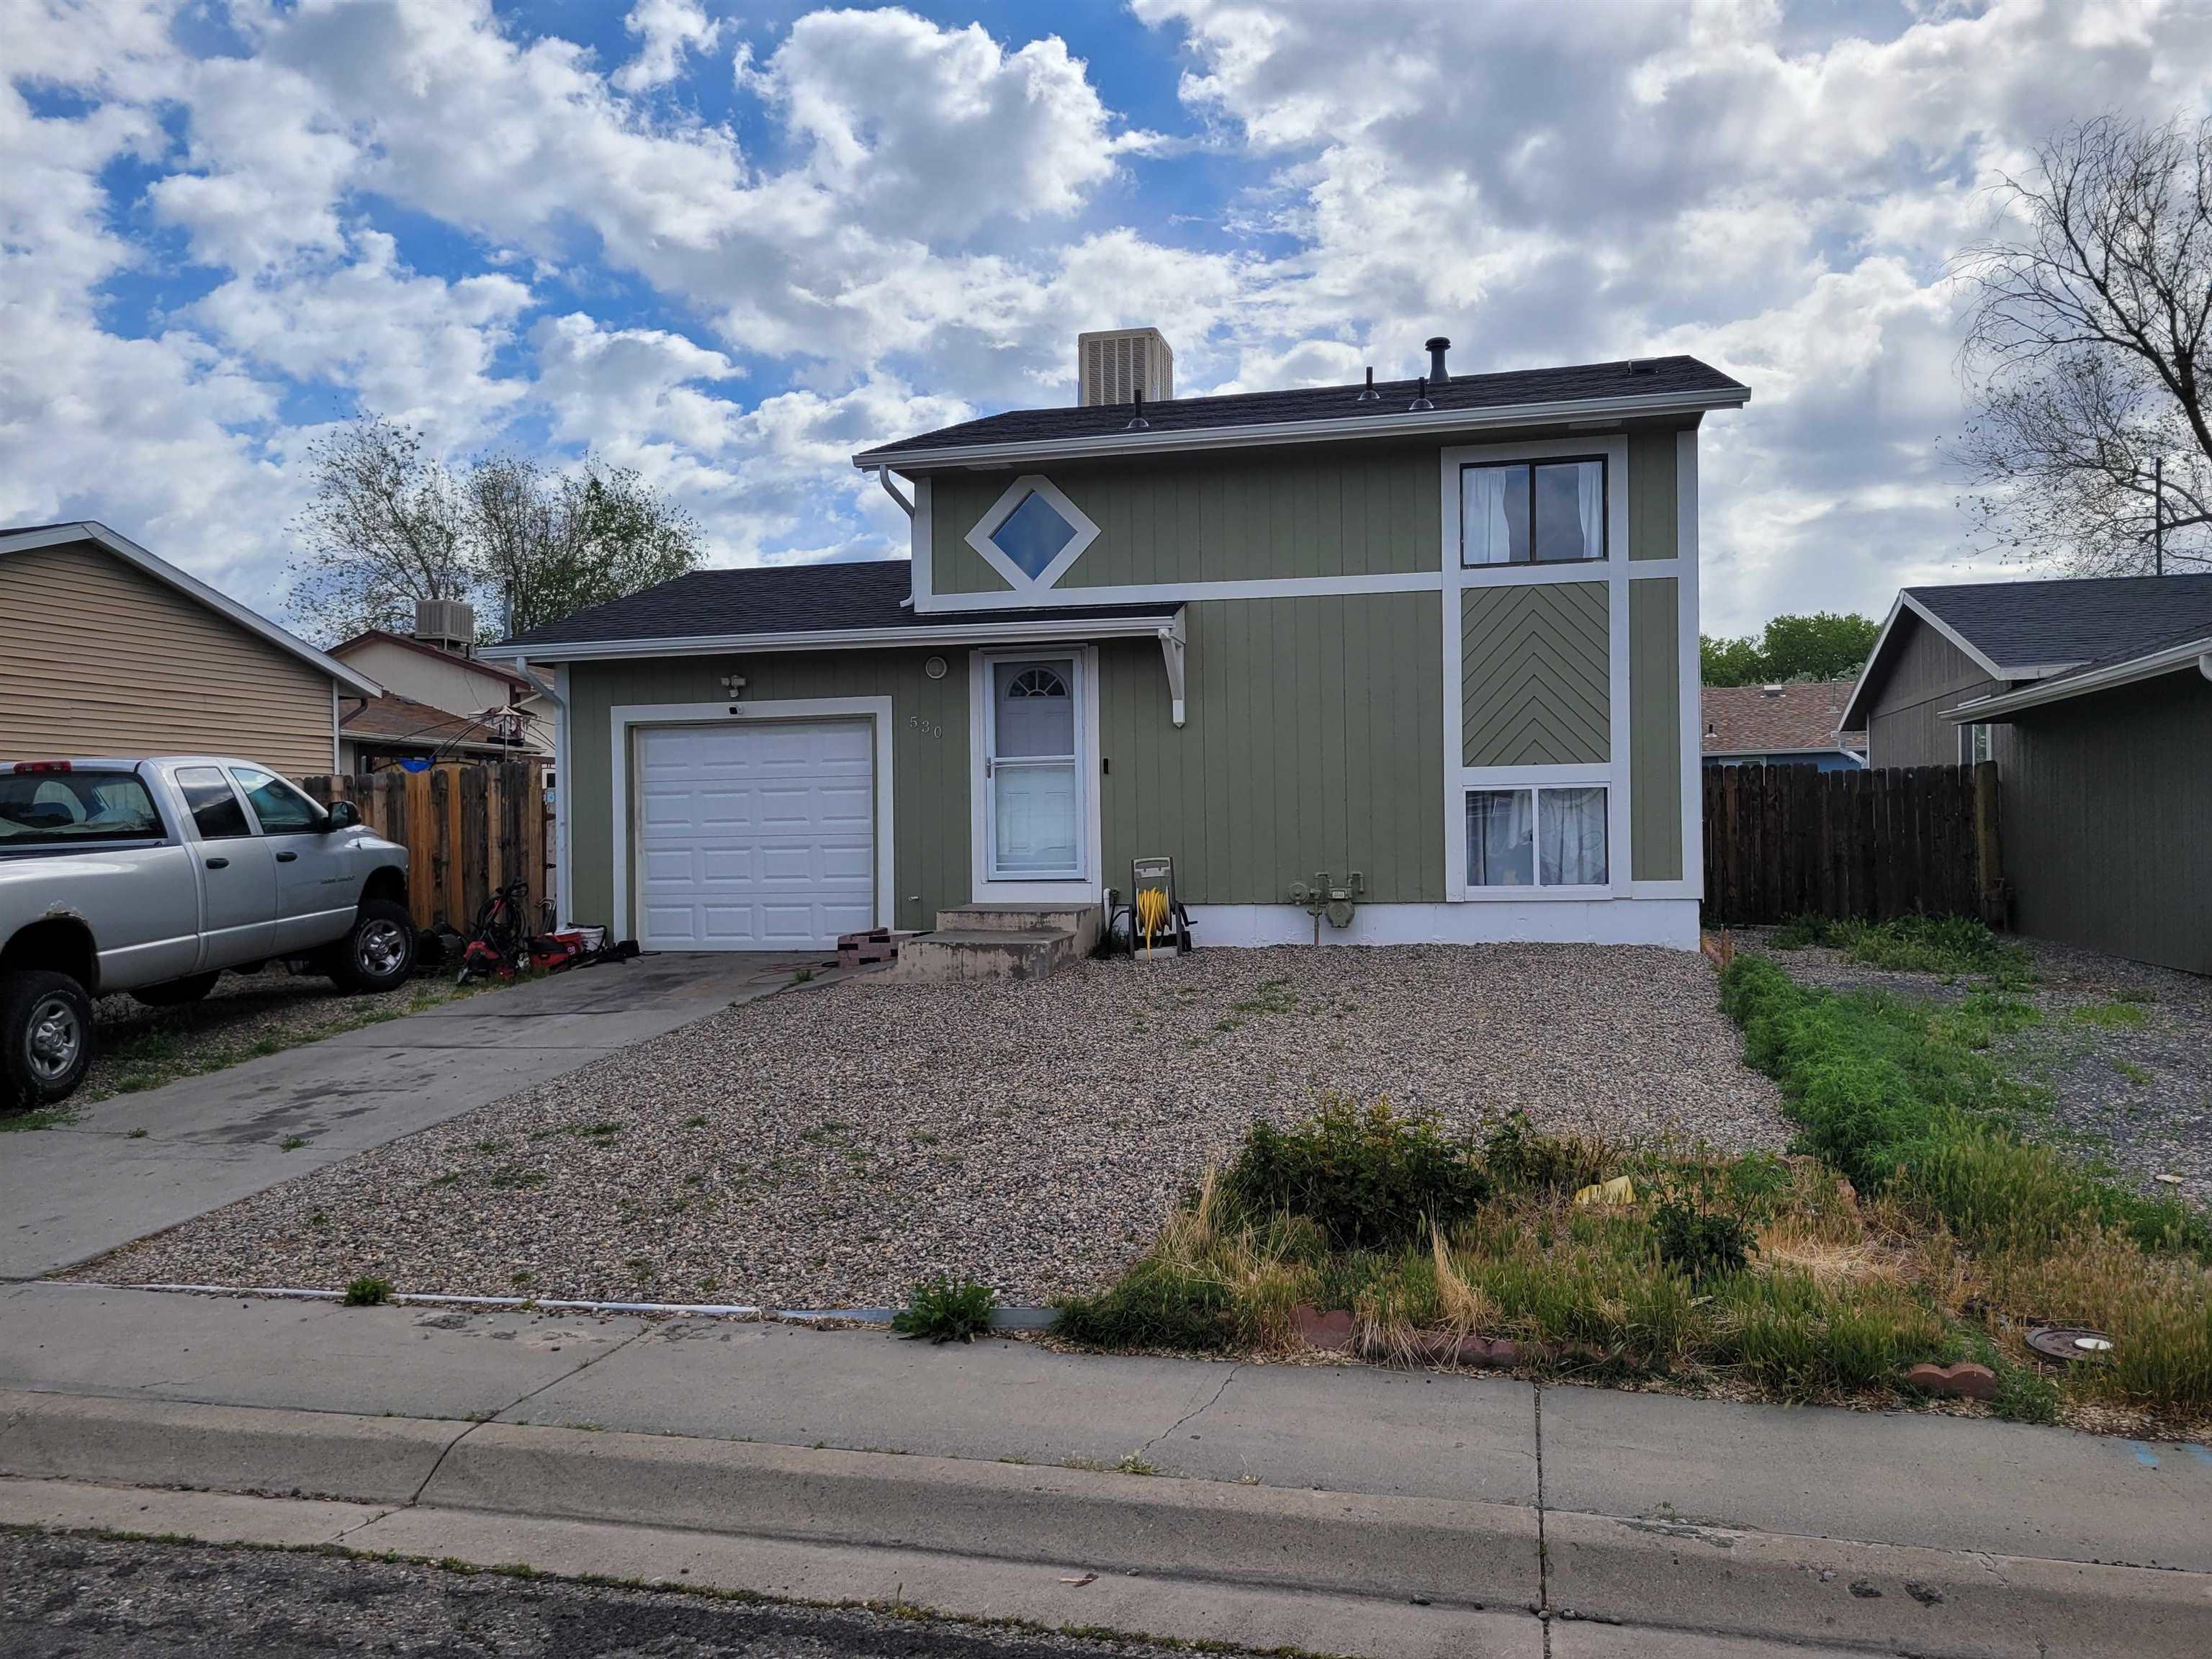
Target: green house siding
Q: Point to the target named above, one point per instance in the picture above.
(929, 751)
(1653, 528)
(1332, 510)
(1315, 741)
(1654, 730)
(1536, 686)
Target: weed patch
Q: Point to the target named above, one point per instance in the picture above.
(1954, 946)
(367, 1292)
(1365, 1175)
(947, 1309)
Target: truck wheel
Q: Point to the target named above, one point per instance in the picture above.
(46, 1037)
(379, 952)
(177, 992)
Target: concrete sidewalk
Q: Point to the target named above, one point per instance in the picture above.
(1436, 1500)
(78, 1191)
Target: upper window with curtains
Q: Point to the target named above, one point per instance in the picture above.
(1532, 512)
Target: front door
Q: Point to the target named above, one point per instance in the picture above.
(1033, 800)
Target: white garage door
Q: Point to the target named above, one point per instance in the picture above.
(755, 835)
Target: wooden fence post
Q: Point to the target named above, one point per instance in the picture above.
(1989, 847)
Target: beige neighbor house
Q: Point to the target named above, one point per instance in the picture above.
(440, 700)
(106, 649)
(1437, 638)
(2093, 697)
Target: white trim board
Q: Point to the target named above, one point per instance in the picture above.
(1671, 923)
(1690, 675)
(1186, 592)
(61, 535)
(1375, 423)
(624, 716)
(1022, 584)
(1084, 889)
(1036, 630)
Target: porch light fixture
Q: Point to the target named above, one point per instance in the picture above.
(733, 685)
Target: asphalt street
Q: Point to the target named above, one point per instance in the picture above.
(94, 1598)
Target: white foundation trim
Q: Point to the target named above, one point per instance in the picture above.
(1083, 888)
(1672, 923)
(624, 716)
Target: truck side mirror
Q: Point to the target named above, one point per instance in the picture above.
(343, 815)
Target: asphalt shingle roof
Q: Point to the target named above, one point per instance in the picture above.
(1746, 720)
(1643, 377)
(2072, 620)
(795, 599)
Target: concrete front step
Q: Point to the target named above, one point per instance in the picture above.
(985, 953)
(1086, 922)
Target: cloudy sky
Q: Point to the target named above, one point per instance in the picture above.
(730, 241)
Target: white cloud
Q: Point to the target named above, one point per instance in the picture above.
(668, 32)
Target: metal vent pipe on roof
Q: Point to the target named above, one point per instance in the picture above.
(1437, 348)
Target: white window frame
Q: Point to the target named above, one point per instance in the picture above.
(1977, 742)
(1537, 887)
(1605, 490)
(1083, 886)
(1615, 570)
(1086, 531)
(623, 717)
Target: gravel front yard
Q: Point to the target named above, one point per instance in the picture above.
(2124, 1049)
(827, 1146)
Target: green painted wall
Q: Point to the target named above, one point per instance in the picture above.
(1314, 742)
(929, 751)
(1654, 730)
(1535, 676)
(1225, 515)
(1653, 529)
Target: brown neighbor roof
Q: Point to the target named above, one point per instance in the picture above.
(392, 718)
(1753, 720)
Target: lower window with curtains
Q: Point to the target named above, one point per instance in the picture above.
(1536, 835)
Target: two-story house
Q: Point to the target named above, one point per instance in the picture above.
(1439, 632)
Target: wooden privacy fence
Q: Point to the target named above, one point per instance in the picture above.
(467, 831)
(1788, 841)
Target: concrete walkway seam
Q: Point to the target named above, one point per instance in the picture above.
(1450, 1552)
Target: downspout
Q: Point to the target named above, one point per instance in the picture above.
(906, 506)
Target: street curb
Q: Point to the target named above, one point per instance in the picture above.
(1257, 1539)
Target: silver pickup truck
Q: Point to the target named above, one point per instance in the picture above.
(154, 876)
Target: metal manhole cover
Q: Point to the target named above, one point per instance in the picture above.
(2069, 1343)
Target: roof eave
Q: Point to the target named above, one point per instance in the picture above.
(1439, 422)
(1146, 625)
(169, 575)
(2173, 659)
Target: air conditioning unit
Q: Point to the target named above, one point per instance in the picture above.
(1114, 365)
(450, 625)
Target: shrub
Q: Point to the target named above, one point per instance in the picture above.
(1705, 1223)
(946, 1310)
(367, 1292)
(1156, 1304)
(1368, 1177)
(1517, 1156)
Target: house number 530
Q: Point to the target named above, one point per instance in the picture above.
(924, 727)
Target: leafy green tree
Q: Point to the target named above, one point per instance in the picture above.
(1824, 645)
(389, 525)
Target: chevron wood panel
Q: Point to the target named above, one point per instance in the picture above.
(1535, 682)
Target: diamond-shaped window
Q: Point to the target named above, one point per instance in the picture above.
(1033, 535)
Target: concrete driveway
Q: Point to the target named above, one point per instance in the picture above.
(137, 1164)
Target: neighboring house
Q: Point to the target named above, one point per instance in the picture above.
(382, 731)
(2094, 697)
(478, 709)
(106, 649)
(1941, 646)
(1795, 724)
(1441, 635)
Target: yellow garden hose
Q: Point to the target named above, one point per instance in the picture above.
(1152, 914)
